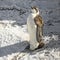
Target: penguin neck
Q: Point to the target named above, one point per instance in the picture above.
(34, 14)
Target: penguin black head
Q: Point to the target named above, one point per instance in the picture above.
(34, 9)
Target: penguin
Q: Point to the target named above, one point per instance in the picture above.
(35, 29)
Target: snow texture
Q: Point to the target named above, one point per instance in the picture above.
(13, 30)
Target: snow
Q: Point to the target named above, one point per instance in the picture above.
(13, 42)
(13, 30)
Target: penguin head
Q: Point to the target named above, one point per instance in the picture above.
(34, 10)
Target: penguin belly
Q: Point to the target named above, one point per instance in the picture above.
(32, 33)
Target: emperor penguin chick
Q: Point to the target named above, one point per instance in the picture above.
(35, 29)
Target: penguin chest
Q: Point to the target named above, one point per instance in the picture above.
(32, 32)
(31, 23)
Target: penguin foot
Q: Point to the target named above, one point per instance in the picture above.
(41, 44)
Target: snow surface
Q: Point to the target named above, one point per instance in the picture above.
(13, 30)
(13, 41)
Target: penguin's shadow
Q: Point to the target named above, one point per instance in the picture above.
(18, 47)
(21, 47)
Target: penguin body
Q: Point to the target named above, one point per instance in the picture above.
(35, 24)
(32, 32)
